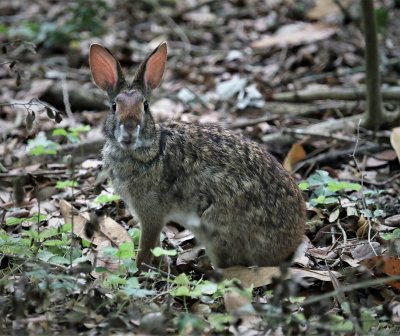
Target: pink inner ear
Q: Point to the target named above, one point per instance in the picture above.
(103, 67)
(155, 67)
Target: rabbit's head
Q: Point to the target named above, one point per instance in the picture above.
(129, 124)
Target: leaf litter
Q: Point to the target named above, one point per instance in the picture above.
(67, 261)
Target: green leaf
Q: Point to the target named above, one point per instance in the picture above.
(382, 19)
(66, 184)
(47, 233)
(125, 250)
(340, 185)
(181, 291)
(54, 242)
(182, 279)
(395, 234)
(158, 252)
(10, 221)
(59, 132)
(324, 200)
(218, 321)
(45, 255)
(59, 260)
(106, 198)
(320, 177)
(130, 265)
(134, 233)
(42, 146)
(208, 287)
(378, 213)
(304, 186)
(80, 129)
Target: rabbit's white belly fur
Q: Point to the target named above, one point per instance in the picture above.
(189, 220)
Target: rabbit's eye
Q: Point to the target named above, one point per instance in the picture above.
(114, 106)
(146, 105)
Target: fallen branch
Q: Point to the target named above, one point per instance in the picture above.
(335, 93)
(79, 152)
(334, 155)
(326, 127)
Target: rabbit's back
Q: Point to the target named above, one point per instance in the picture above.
(234, 196)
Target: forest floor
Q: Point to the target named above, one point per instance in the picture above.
(289, 75)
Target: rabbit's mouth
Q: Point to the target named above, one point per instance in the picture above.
(128, 137)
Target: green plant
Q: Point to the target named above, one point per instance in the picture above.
(336, 196)
(72, 133)
(86, 16)
(40, 145)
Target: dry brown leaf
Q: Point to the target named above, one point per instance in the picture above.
(255, 276)
(262, 276)
(352, 262)
(320, 275)
(363, 226)
(79, 221)
(113, 231)
(393, 220)
(326, 8)
(386, 155)
(294, 35)
(236, 303)
(384, 264)
(295, 155)
(365, 251)
(395, 140)
(109, 229)
(371, 162)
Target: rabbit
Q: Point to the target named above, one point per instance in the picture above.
(236, 198)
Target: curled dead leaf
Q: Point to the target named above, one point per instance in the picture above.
(395, 140)
(383, 264)
(295, 155)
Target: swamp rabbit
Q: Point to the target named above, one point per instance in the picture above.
(234, 196)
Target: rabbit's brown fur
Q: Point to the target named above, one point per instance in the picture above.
(234, 196)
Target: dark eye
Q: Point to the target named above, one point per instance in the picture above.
(146, 105)
(114, 106)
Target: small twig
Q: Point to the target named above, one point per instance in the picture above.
(35, 173)
(250, 122)
(67, 104)
(334, 154)
(381, 183)
(388, 93)
(166, 274)
(179, 31)
(350, 288)
(362, 188)
(302, 132)
(196, 6)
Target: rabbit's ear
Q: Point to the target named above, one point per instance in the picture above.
(106, 70)
(152, 69)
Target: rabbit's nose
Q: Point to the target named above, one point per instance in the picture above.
(128, 134)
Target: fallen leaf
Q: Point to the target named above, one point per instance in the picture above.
(393, 220)
(395, 140)
(262, 276)
(294, 35)
(109, 229)
(236, 303)
(255, 276)
(326, 9)
(386, 265)
(352, 262)
(371, 162)
(227, 89)
(320, 275)
(295, 155)
(365, 251)
(387, 155)
(181, 237)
